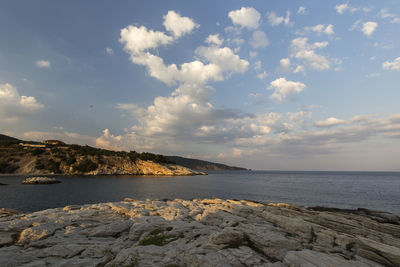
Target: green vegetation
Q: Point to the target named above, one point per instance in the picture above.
(156, 237)
(63, 157)
(48, 164)
(86, 165)
(7, 167)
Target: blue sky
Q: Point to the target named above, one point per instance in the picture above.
(289, 85)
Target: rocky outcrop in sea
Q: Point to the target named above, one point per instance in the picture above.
(200, 232)
(40, 180)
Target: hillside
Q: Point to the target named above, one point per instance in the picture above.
(202, 165)
(21, 157)
(4, 139)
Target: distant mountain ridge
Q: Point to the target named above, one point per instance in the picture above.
(202, 165)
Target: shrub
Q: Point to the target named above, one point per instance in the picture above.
(6, 167)
(38, 151)
(86, 165)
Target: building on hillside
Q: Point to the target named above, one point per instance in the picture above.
(31, 145)
(53, 142)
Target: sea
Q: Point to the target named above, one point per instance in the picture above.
(351, 190)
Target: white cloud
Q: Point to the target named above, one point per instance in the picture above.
(285, 64)
(301, 10)
(110, 51)
(321, 29)
(369, 27)
(275, 20)
(253, 54)
(178, 25)
(341, 8)
(257, 65)
(385, 14)
(43, 64)
(233, 30)
(214, 39)
(355, 25)
(262, 75)
(13, 105)
(392, 65)
(245, 17)
(136, 40)
(302, 50)
(296, 116)
(330, 122)
(259, 40)
(299, 68)
(224, 58)
(30, 102)
(283, 88)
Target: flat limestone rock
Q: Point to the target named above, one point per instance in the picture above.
(199, 232)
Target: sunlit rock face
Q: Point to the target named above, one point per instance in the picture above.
(200, 232)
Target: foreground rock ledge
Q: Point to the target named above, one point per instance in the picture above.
(201, 232)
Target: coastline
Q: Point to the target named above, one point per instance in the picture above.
(203, 232)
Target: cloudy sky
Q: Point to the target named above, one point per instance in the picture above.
(279, 85)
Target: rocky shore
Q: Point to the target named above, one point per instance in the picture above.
(200, 232)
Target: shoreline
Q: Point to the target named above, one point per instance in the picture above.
(203, 232)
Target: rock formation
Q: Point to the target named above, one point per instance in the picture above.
(200, 232)
(40, 180)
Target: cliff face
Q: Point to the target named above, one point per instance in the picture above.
(109, 165)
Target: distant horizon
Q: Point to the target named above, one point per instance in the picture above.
(266, 85)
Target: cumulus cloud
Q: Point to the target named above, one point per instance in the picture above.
(223, 58)
(299, 69)
(368, 28)
(275, 20)
(283, 88)
(392, 65)
(285, 64)
(259, 40)
(320, 29)
(247, 17)
(330, 122)
(347, 7)
(301, 10)
(178, 25)
(303, 50)
(328, 140)
(341, 8)
(13, 105)
(139, 39)
(214, 39)
(43, 64)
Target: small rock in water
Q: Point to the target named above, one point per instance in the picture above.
(40, 180)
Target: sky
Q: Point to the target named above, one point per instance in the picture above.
(267, 85)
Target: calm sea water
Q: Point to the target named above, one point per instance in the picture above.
(374, 190)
